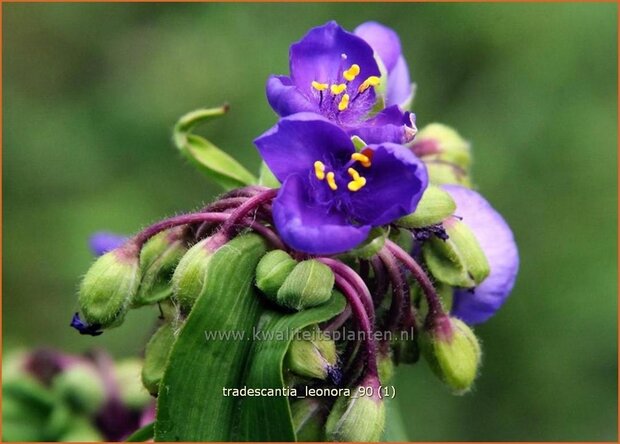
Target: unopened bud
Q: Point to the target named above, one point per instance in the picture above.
(109, 286)
(385, 366)
(272, 270)
(133, 394)
(308, 285)
(435, 206)
(357, 417)
(81, 387)
(308, 419)
(312, 354)
(453, 353)
(190, 275)
(158, 260)
(156, 358)
(458, 260)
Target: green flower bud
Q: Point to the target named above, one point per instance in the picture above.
(81, 388)
(311, 354)
(435, 205)
(272, 271)
(308, 419)
(385, 365)
(459, 260)
(156, 358)
(447, 174)
(158, 260)
(453, 353)
(132, 393)
(356, 418)
(189, 277)
(109, 286)
(437, 141)
(309, 284)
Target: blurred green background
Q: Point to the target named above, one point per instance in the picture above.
(91, 92)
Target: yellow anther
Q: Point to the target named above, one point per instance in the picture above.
(331, 181)
(319, 170)
(361, 158)
(344, 102)
(356, 184)
(337, 89)
(354, 174)
(352, 72)
(319, 86)
(370, 81)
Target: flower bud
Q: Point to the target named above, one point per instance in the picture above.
(356, 417)
(156, 358)
(311, 354)
(308, 419)
(435, 205)
(272, 270)
(453, 353)
(308, 285)
(459, 260)
(385, 366)
(132, 393)
(189, 277)
(108, 287)
(158, 259)
(81, 387)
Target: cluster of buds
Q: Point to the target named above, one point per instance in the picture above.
(349, 203)
(51, 396)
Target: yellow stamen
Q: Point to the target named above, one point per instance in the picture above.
(370, 81)
(354, 174)
(356, 184)
(352, 72)
(319, 86)
(337, 89)
(361, 158)
(319, 170)
(331, 181)
(344, 102)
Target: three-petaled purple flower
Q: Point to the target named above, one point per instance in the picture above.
(497, 242)
(332, 195)
(334, 73)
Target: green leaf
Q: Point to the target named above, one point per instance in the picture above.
(191, 405)
(143, 434)
(208, 158)
(268, 418)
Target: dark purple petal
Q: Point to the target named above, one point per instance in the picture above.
(307, 226)
(102, 242)
(497, 242)
(389, 125)
(83, 327)
(399, 88)
(318, 57)
(395, 183)
(286, 99)
(383, 40)
(296, 142)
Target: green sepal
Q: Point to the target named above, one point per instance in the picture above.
(272, 271)
(358, 143)
(308, 285)
(436, 205)
(208, 158)
(356, 418)
(371, 246)
(450, 147)
(156, 357)
(309, 416)
(447, 174)
(311, 353)
(189, 277)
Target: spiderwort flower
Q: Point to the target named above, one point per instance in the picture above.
(103, 241)
(497, 242)
(334, 74)
(386, 44)
(333, 195)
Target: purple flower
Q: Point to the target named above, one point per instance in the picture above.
(332, 195)
(334, 73)
(497, 242)
(386, 44)
(102, 242)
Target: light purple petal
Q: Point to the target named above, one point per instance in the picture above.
(395, 183)
(286, 99)
(383, 40)
(318, 57)
(497, 242)
(103, 241)
(398, 84)
(297, 141)
(307, 226)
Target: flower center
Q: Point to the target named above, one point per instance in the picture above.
(339, 95)
(357, 181)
